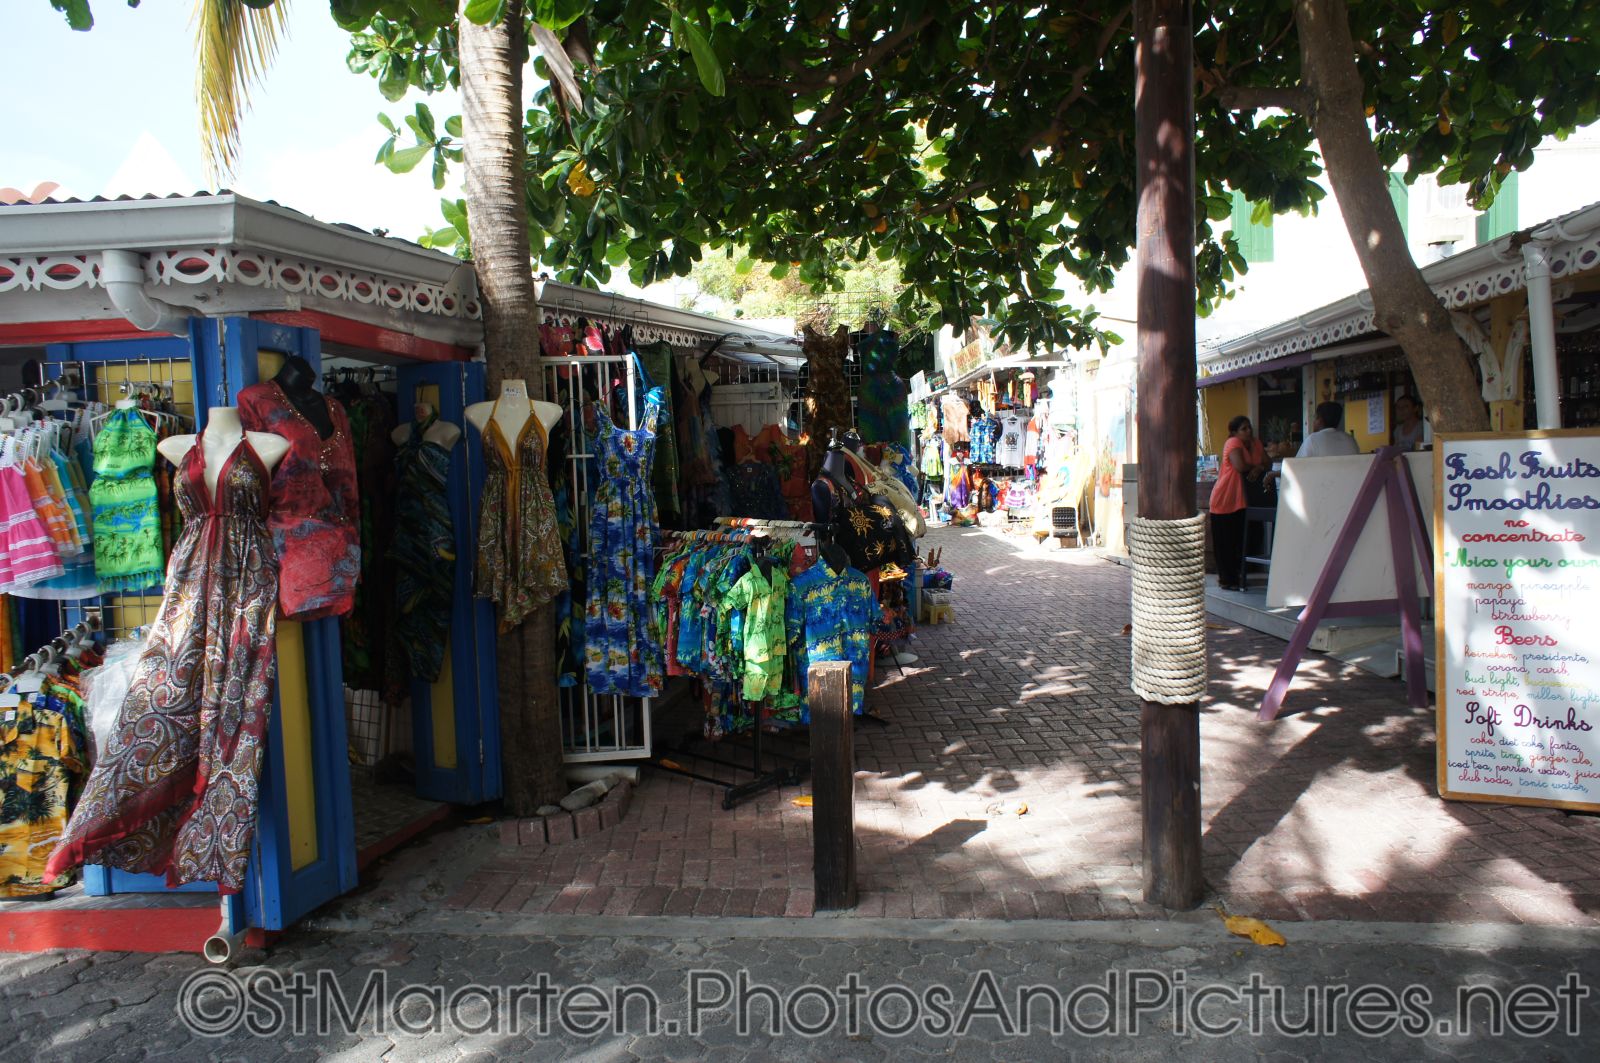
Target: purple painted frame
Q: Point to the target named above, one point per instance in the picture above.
(1391, 477)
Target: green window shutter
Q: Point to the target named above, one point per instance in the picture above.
(1400, 195)
(1254, 240)
(1501, 217)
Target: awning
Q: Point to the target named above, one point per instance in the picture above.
(1288, 361)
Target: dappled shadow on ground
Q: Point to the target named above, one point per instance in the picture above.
(1006, 783)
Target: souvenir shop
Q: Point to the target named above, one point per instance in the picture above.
(998, 445)
(204, 384)
(199, 386)
(730, 507)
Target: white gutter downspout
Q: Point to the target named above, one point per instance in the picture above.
(122, 276)
(1542, 331)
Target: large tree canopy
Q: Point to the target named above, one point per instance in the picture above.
(984, 145)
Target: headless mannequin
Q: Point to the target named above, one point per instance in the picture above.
(223, 432)
(837, 479)
(760, 542)
(298, 381)
(511, 412)
(439, 433)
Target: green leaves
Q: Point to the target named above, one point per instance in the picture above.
(443, 149)
(484, 12)
(557, 14)
(705, 57)
(79, 17)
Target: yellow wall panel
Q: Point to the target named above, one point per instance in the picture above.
(1221, 404)
(442, 701)
(299, 770)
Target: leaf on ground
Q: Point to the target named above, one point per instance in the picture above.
(1127, 629)
(1254, 929)
(804, 801)
(481, 819)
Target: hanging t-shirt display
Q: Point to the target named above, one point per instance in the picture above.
(871, 533)
(364, 632)
(1009, 449)
(316, 506)
(836, 613)
(956, 416)
(984, 430)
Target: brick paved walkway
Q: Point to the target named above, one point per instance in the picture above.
(1331, 813)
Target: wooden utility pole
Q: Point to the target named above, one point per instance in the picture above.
(1164, 132)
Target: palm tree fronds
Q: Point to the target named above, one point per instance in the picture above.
(234, 44)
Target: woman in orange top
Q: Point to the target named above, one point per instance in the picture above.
(1242, 458)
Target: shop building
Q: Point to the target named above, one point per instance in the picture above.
(667, 437)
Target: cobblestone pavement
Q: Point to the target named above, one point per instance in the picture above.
(1186, 973)
(1023, 700)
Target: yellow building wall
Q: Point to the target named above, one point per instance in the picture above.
(1355, 422)
(1219, 405)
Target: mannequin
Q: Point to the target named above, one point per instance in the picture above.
(512, 410)
(837, 480)
(221, 438)
(298, 381)
(440, 433)
(760, 543)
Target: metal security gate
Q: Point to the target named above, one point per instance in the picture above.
(595, 727)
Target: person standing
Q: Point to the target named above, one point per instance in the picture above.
(1409, 426)
(1243, 459)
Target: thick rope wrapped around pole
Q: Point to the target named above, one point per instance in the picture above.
(1169, 609)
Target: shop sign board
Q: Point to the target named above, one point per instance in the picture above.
(1518, 572)
(975, 354)
(937, 382)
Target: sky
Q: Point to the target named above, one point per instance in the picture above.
(112, 111)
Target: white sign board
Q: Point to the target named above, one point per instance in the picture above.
(1314, 499)
(1518, 574)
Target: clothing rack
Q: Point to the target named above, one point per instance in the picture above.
(50, 651)
(738, 531)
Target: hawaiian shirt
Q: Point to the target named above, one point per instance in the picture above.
(836, 612)
(42, 763)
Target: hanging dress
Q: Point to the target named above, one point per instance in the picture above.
(316, 505)
(883, 415)
(127, 522)
(828, 401)
(176, 788)
(519, 548)
(424, 556)
(622, 649)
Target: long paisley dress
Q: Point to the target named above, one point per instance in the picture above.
(176, 789)
(622, 649)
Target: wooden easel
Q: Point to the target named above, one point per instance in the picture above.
(1389, 476)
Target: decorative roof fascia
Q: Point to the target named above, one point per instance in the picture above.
(230, 240)
(1469, 279)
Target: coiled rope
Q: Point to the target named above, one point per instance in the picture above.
(1169, 609)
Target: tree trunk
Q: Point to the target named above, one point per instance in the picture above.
(491, 119)
(1403, 305)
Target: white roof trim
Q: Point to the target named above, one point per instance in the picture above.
(686, 326)
(1475, 276)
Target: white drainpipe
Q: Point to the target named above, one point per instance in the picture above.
(1542, 332)
(122, 275)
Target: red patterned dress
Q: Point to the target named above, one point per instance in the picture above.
(316, 505)
(176, 789)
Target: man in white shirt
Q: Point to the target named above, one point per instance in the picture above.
(1329, 440)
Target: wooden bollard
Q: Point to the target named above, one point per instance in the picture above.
(833, 781)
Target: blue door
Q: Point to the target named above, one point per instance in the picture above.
(305, 852)
(455, 721)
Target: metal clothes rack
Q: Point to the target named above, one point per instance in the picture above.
(793, 769)
(46, 655)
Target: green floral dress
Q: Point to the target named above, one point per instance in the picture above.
(127, 519)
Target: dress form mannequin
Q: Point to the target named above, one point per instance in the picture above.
(512, 410)
(298, 381)
(440, 433)
(223, 432)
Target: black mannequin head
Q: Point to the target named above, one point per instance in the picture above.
(296, 377)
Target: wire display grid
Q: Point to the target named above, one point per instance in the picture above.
(594, 727)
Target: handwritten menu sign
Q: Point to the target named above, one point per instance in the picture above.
(1517, 537)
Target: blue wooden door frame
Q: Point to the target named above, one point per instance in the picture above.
(476, 777)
